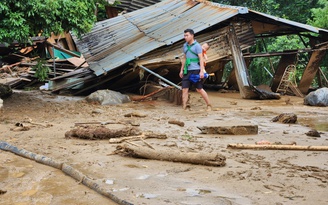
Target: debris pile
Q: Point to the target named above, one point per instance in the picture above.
(54, 58)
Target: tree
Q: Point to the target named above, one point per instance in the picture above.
(320, 15)
(297, 10)
(19, 20)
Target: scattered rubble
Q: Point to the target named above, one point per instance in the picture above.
(287, 118)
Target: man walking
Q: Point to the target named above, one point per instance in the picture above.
(193, 64)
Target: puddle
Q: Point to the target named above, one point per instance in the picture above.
(162, 174)
(109, 181)
(122, 189)
(143, 177)
(197, 192)
(318, 123)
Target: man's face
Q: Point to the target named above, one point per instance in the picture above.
(188, 37)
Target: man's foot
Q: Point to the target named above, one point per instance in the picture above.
(209, 107)
(187, 107)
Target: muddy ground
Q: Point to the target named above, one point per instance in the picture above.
(249, 177)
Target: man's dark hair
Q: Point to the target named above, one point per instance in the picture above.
(190, 31)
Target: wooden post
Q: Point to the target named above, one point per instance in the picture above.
(285, 60)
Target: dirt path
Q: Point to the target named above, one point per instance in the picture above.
(249, 177)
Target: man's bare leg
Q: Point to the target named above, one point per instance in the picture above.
(184, 97)
(203, 93)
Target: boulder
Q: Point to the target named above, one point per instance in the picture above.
(5, 91)
(317, 98)
(107, 97)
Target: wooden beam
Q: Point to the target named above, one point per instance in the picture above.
(240, 66)
(278, 147)
(311, 70)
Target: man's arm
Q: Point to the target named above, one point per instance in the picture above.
(201, 64)
(183, 61)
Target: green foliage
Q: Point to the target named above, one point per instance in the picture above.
(297, 10)
(41, 71)
(320, 15)
(19, 20)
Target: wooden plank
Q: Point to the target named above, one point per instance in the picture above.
(230, 128)
(244, 83)
(78, 62)
(73, 73)
(69, 41)
(63, 50)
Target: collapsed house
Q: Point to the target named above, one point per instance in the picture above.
(122, 51)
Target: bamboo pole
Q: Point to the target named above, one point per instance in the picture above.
(72, 172)
(278, 147)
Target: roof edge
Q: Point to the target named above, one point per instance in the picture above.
(241, 10)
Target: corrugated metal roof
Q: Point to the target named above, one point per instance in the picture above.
(131, 5)
(287, 22)
(117, 41)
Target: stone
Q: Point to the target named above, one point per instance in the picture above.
(230, 128)
(287, 118)
(107, 97)
(5, 91)
(317, 98)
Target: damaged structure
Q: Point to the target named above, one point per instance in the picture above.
(122, 51)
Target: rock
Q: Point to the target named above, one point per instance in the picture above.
(313, 133)
(5, 91)
(107, 97)
(317, 98)
(287, 118)
(1, 103)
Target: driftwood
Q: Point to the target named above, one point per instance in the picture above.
(176, 122)
(139, 137)
(209, 159)
(278, 147)
(101, 132)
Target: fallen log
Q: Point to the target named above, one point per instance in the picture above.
(208, 159)
(139, 137)
(229, 128)
(278, 147)
(101, 132)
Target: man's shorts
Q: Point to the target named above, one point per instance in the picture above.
(186, 82)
